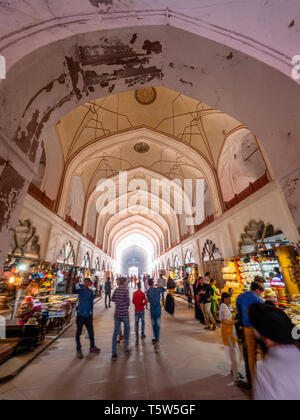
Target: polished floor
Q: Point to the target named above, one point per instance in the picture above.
(191, 365)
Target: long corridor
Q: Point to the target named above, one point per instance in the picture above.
(191, 365)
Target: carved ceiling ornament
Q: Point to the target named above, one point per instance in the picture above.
(146, 96)
(141, 147)
(25, 241)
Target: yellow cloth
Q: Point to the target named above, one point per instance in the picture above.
(227, 332)
(171, 292)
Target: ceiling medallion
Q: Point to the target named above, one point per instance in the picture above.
(145, 96)
(141, 147)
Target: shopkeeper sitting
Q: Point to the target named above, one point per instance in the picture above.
(85, 311)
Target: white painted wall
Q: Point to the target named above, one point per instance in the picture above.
(268, 205)
(54, 232)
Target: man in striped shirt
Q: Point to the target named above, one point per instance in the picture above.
(122, 301)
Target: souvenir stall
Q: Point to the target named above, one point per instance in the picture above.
(65, 269)
(213, 262)
(190, 267)
(21, 263)
(169, 270)
(265, 252)
(102, 275)
(96, 278)
(178, 276)
(85, 268)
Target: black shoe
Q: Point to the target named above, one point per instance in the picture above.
(245, 385)
(79, 355)
(137, 341)
(153, 341)
(114, 358)
(143, 337)
(95, 350)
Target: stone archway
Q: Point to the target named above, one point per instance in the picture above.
(216, 74)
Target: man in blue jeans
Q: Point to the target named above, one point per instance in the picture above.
(85, 311)
(154, 297)
(140, 301)
(121, 299)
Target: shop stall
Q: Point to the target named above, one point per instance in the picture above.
(266, 253)
(65, 273)
(178, 276)
(213, 262)
(190, 268)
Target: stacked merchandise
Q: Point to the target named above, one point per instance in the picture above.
(294, 272)
(293, 310)
(58, 307)
(178, 280)
(192, 271)
(26, 310)
(280, 289)
(3, 303)
(232, 281)
(47, 284)
(268, 265)
(248, 268)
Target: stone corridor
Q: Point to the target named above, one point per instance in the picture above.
(191, 365)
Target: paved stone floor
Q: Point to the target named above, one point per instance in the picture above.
(191, 365)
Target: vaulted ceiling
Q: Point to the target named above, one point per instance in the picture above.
(152, 133)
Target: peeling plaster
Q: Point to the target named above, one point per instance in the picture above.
(11, 187)
(131, 63)
(97, 3)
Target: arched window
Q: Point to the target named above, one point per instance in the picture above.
(86, 262)
(67, 255)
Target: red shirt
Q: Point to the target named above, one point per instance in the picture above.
(139, 300)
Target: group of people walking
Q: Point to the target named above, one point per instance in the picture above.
(255, 326)
(121, 298)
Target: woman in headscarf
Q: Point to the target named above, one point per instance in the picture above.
(198, 311)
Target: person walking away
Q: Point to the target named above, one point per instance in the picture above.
(170, 301)
(121, 336)
(85, 311)
(278, 375)
(190, 298)
(198, 310)
(107, 288)
(248, 338)
(140, 301)
(214, 299)
(229, 337)
(121, 299)
(205, 293)
(163, 285)
(154, 296)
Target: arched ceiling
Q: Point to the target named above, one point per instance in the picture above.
(192, 122)
(149, 134)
